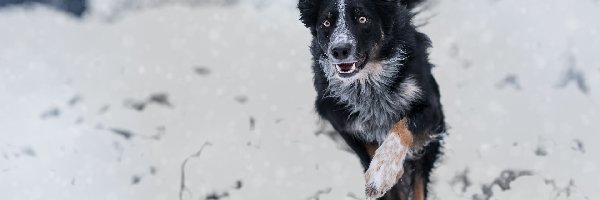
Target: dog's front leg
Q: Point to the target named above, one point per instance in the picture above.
(386, 167)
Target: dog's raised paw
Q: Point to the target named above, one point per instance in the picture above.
(381, 178)
(372, 192)
(386, 167)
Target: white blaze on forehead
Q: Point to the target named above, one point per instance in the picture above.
(341, 33)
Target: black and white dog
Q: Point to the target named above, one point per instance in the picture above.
(374, 85)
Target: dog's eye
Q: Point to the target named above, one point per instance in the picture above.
(326, 23)
(362, 20)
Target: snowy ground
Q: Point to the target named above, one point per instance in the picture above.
(213, 100)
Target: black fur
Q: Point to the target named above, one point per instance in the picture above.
(389, 37)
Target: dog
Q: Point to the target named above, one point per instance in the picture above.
(374, 85)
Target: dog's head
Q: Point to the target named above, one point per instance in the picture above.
(352, 36)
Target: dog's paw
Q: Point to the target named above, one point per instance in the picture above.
(372, 192)
(386, 167)
(382, 177)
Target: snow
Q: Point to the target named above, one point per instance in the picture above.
(519, 83)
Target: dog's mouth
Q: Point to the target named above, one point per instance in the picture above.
(349, 69)
(346, 68)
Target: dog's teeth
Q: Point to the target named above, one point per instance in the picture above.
(351, 70)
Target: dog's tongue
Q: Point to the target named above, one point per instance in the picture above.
(345, 66)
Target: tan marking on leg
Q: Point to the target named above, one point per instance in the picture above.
(419, 188)
(386, 168)
(401, 129)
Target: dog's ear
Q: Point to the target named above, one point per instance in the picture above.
(309, 12)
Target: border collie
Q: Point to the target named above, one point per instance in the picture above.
(374, 85)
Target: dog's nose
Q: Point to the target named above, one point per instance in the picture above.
(341, 51)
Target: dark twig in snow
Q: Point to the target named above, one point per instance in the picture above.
(319, 193)
(152, 170)
(511, 80)
(202, 71)
(578, 146)
(156, 98)
(182, 187)
(136, 105)
(238, 185)
(573, 75)
(353, 196)
(567, 190)
(215, 196)
(252, 123)
(28, 151)
(135, 179)
(122, 132)
(74, 100)
(461, 178)
(503, 181)
(160, 99)
(127, 134)
(541, 151)
(50, 113)
(241, 99)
